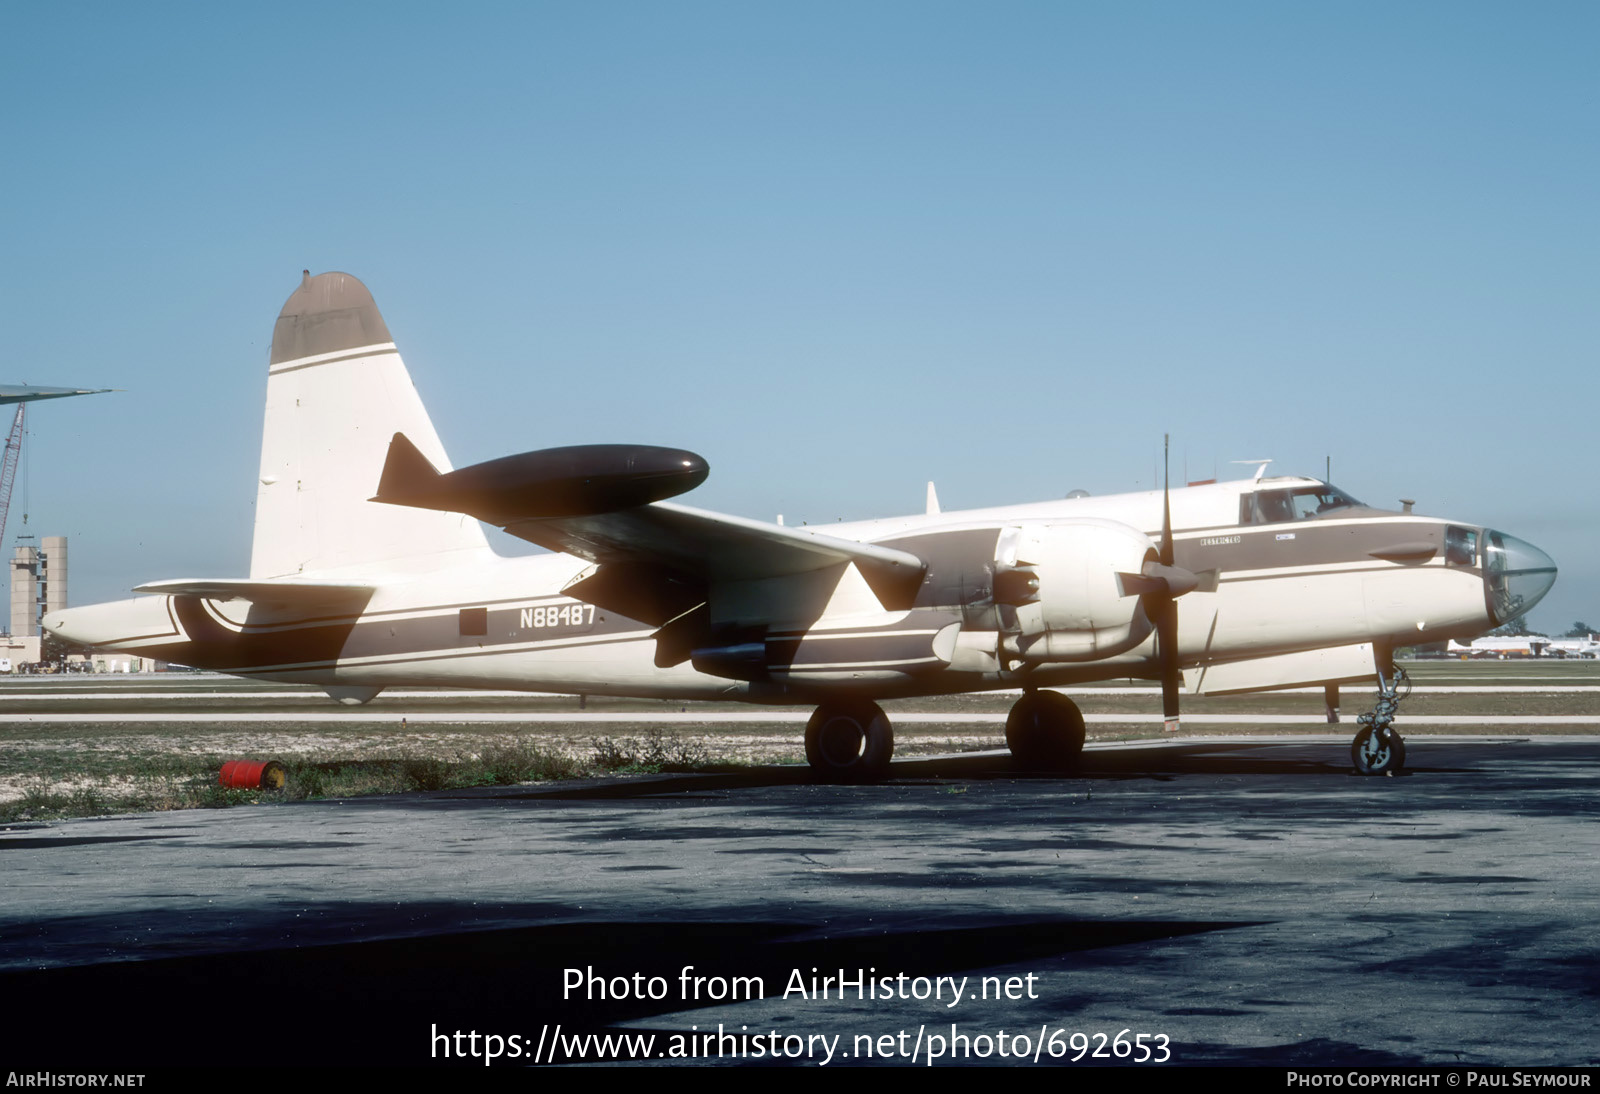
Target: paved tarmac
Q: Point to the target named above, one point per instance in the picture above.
(1237, 901)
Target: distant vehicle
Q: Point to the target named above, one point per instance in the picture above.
(1502, 648)
(1574, 647)
(1529, 646)
(369, 569)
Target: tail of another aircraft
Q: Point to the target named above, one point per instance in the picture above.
(337, 392)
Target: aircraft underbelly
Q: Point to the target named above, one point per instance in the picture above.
(1250, 616)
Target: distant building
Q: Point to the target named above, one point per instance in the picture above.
(38, 583)
(19, 651)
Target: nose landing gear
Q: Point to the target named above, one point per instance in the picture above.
(1378, 748)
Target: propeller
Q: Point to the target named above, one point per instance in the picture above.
(1166, 604)
(1160, 583)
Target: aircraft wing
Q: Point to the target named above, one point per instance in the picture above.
(602, 503)
(713, 546)
(659, 563)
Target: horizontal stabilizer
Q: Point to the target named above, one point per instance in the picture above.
(327, 595)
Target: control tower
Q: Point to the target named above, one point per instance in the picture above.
(38, 583)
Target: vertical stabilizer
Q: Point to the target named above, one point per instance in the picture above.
(337, 393)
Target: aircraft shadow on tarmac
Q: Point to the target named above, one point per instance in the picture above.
(1165, 763)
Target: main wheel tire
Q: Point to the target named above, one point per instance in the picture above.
(1045, 732)
(1374, 757)
(849, 742)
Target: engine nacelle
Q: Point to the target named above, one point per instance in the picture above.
(1059, 593)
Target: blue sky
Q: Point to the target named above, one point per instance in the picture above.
(838, 249)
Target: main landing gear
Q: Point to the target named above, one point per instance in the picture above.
(852, 741)
(1045, 731)
(849, 741)
(1378, 748)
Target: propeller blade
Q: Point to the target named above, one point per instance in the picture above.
(1166, 500)
(1167, 614)
(1167, 653)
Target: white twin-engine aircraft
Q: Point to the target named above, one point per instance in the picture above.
(369, 569)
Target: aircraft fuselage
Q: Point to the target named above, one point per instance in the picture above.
(1353, 576)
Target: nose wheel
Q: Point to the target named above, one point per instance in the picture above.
(1378, 754)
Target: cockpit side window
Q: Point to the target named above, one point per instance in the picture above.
(1460, 546)
(1274, 507)
(1313, 501)
(1300, 503)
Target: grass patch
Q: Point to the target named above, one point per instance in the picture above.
(65, 786)
(497, 763)
(42, 801)
(654, 752)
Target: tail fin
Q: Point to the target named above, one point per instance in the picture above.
(405, 471)
(337, 392)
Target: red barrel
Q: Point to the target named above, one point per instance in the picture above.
(252, 775)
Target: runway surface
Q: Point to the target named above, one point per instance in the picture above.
(1241, 900)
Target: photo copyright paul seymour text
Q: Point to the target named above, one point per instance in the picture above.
(1464, 1080)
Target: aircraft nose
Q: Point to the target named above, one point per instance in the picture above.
(1516, 575)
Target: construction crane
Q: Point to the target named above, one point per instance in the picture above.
(8, 467)
(22, 395)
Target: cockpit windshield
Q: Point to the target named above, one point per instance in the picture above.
(1292, 503)
(1517, 575)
